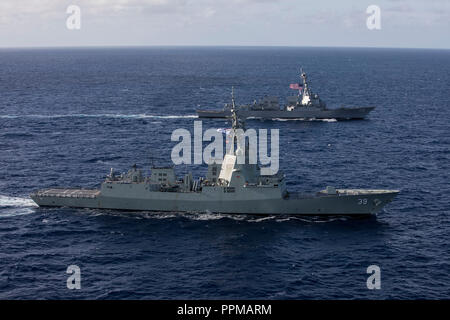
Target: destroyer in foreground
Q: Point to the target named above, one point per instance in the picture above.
(228, 188)
(306, 105)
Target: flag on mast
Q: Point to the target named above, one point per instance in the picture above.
(225, 131)
(295, 86)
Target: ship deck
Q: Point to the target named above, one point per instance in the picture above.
(68, 193)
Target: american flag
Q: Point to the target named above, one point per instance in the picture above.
(295, 86)
(225, 131)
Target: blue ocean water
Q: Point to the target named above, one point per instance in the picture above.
(68, 115)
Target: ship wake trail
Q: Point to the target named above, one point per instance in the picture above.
(304, 119)
(103, 115)
(208, 216)
(14, 206)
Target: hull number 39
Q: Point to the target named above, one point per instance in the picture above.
(362, 201)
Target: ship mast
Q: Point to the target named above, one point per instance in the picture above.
(236, 123)
(305, 82)
(306, 93)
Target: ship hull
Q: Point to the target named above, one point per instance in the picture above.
(299, 113)
(346, 202)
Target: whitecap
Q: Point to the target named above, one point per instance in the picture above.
(6, 201)
(14, 206)
(305, 119)
(328, 120)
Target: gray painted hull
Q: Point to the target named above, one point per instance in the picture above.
(299, 113)
(346, 202)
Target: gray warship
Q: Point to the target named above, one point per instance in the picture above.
(228, 187)
(305, 105)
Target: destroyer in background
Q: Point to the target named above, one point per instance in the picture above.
(228, 188)
(306, 105)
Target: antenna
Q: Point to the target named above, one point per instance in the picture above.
(232, 98)
(303, 78)
(236, 122)
(302, 75)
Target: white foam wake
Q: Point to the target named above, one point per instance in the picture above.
(208, 216)
(102, 115)
(13, 206)
(305, 119)
(329, 120)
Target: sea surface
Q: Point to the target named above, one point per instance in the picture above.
(68, 115)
